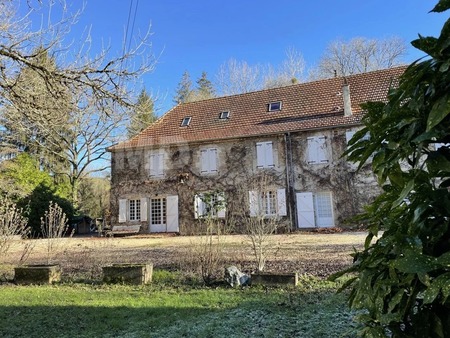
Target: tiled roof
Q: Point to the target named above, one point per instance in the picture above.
(305, 106)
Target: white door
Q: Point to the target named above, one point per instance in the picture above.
(305, 210)
(172, 214)
(158, 215)
(324, 209)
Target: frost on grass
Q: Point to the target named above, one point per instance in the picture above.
(244, 322)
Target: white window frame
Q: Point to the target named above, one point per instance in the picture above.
(156, 164)
(268, 203)
(136, 214)
(264, 155)
(317, 150)
(186, 121)
(158, 211)
(134, 210)
(208, 160)
(225, 115)
(204, 208)
(274, 106)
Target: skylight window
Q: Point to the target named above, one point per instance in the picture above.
(224, 115)
(186, 121)
(274, 106)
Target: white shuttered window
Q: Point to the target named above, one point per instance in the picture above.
(156, 163)
(317, 150)
(208, 158)
(264, 155)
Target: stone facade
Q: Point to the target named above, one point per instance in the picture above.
(275, 154)
(238, 173)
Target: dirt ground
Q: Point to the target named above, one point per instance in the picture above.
(81, 258)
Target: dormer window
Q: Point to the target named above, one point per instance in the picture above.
(186, 121)
(274, 106)
(224, 115)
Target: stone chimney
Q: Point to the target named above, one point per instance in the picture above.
(347, 100)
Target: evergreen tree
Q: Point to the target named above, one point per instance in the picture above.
(143, 114)
(205, 89)
(184, 89)
(44, 110)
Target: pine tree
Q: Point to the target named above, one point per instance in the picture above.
(184, 90)
(205, 89)
(143, 115)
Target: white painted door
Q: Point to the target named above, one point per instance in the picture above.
(172, 214)
(158, 215)
(324, 209)
(305, 210)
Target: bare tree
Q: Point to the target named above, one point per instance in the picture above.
(103, 78)
(289, 72)
(94, 92)
(53, 227)
(12, 224)
(359, 55)
(237, 77)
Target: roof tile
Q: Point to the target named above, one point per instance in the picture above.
(305, 106)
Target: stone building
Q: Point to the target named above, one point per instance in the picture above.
(275, 153)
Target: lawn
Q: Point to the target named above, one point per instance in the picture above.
(176, 303)
(169, 310)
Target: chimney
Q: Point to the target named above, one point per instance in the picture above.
(346, 97)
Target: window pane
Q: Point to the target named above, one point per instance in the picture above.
(323, 205)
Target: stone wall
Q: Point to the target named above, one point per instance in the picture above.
(238, 173)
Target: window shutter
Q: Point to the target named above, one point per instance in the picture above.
(305, 210)
(156, 164)
(260, 160)
(223, 207)
(198, 206)
(268, 154)
(281, 202)
(122, 210)
(172, 214)
(204, 161)
(160, 171)
(253, 200)
(312, 152)
(144, 209)
(322, 149)
(153, 165)
(348, 135)
(213, 160)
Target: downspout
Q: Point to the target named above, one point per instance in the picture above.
(290, 181)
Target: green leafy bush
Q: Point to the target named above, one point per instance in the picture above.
(402, 279)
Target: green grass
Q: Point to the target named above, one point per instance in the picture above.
(168, 308)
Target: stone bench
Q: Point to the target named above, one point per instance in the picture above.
(123, 230)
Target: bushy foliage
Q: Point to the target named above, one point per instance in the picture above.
(38, 201)
(403, 277)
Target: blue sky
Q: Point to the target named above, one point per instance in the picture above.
(200, 35)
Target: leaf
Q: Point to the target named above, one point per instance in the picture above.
(439, 111)
(405, 192)
(441, 6)
(426, 44)
(442, 282)
(415, 263)
(438, 164)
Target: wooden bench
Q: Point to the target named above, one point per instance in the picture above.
(123, 230)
